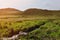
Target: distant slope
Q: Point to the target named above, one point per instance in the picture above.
(29, 14)
(10, 11)
(6, 13)
(35, 11)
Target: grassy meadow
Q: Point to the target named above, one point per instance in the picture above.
(38, 24)
(44, 29)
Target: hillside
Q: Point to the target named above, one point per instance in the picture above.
(31, 11)
(10, 11)
(41, 12)
(28, 14)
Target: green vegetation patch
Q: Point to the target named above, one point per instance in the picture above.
(49, 31)
(36, 29)
(8, 29)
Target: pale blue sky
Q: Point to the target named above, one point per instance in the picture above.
(25, 4)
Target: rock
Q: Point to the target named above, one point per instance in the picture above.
(15, 37)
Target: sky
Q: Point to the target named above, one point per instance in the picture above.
(25, 4)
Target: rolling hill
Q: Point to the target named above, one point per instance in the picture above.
(41, 12)
(6, 13)
(32, 13)
(10, 11)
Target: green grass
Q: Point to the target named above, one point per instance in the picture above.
(47, 30)
(17, 26)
